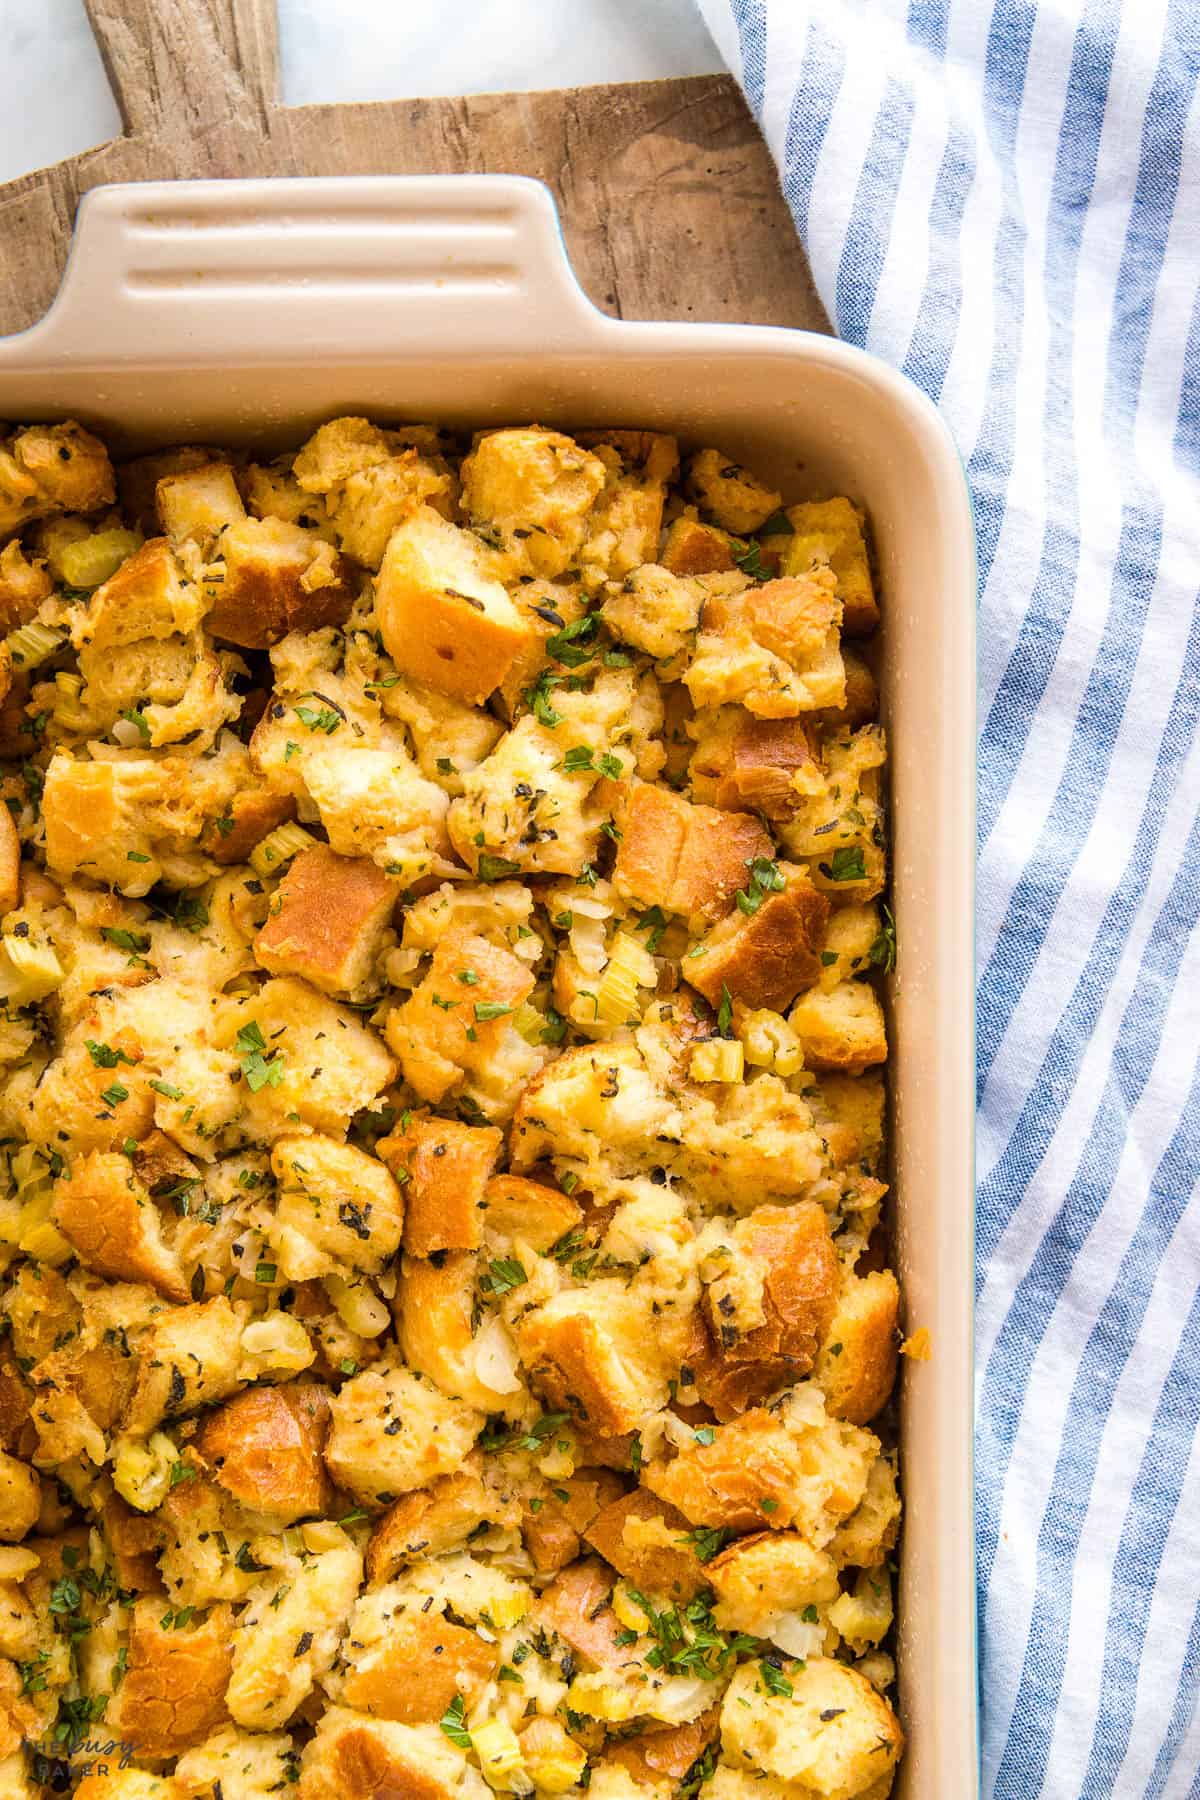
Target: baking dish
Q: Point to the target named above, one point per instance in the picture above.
(246, 312)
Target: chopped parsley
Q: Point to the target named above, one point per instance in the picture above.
(774, 1680)
(846, 864)
(259, 1070)
(453, 1723)
(574, 644)
(105, 1057)
(496, 868)
(765, 878)
(490, 1009)
(503, 1275)
(883, 951)
(318, 718)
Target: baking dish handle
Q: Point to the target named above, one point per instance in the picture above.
(225, 272)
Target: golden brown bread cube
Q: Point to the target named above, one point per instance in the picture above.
(833, 532)
(422, 1667)
(173, 1692)
(138, 479)
(736, 499)
(831, 1735)
(575, 1606)
(449, 1026)
(767, 957)
(857, 1363)
(443, 619)
(20, 1499)
(756, 1471)
(336, 1208)
(536, 486)
(774, 648)
(278, 578)
(591, 1353)
(148, 597)
(107, 1215)
(758, 765)
(843, 1029)
(195, 505)
(791, 1253)
(519, 1208)
(435, 1519)
(353, 1757)
(444, 1168)
(553, 1522)
(687, 859)
(665, 1755)
(250, 817)
(47, 469)
(328, 922)
(264, 1449)
(648, 1543)
(696, 549)
(767, 1573)
(10, 863)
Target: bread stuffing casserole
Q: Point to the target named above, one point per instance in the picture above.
(444, 1297)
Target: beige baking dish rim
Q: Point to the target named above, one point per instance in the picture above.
(247, 311)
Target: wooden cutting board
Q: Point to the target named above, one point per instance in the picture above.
(668, 197)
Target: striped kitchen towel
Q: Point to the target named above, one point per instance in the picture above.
(1002, 198)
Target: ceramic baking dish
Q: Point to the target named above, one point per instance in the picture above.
(246, 312)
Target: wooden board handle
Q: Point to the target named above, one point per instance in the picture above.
(221, 272)
(178, 66)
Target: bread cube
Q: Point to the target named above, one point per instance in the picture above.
(372, 502)
(337, 450)
(277, 578)
(593, 1352)
(786, 1255)
(20, 1499)
(655, 1757)
(736, 499)
(833, 532)
(191, 1357)
(655, 611)
(251, 816)
(695, 549)
(254, 1765)
(862, 1540)
(648, 1543)
(329, 1065)
(195, 505)
(757, 765)
(535, 486)
(856, 1367)
(768, 1573)
(337, 1209)
(138, 479)
(10, 863)
(148, 597)
(391, 1432)
(553, 1533)
(575, 1607)
(767, 957)
(773, 648)
(444, 620)
(173, 1691)
(264, 1450)
(445, 1168)
(108, 1217)
(329, 922)
(373, 803)
(444, 1334)
(832, 1735)
(418, 1668)
(288, 1632)
(435, 1519)
(352, 1757)
(687, 859)
(450, 1027)
(843, 1029)
(516, 1208)
(47, 469)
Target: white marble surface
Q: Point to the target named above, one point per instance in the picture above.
(354, 50)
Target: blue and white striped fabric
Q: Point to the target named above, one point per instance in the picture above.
(1002, 198)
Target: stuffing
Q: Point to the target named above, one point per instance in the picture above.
(831, 533)
(734, 497)
(172, 1693)
(336, 1209)
(444, 1168)
(533, 489)
(779, 1468)
(47, 469)
(786, 1259)
(686, 859)
(275, 578)
(352, 1757)
(841, 1029)
(856, 1367)
(831, 1735)
(768, 949)
(455, 1031)
(287, 1634)
(391, 1431)
(773, 648)
(444, 620)
(329, 923)
(440, 890)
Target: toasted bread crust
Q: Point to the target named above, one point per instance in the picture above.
(328, 921)
(444, 1167)
(264, 1449)
(687, 859)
